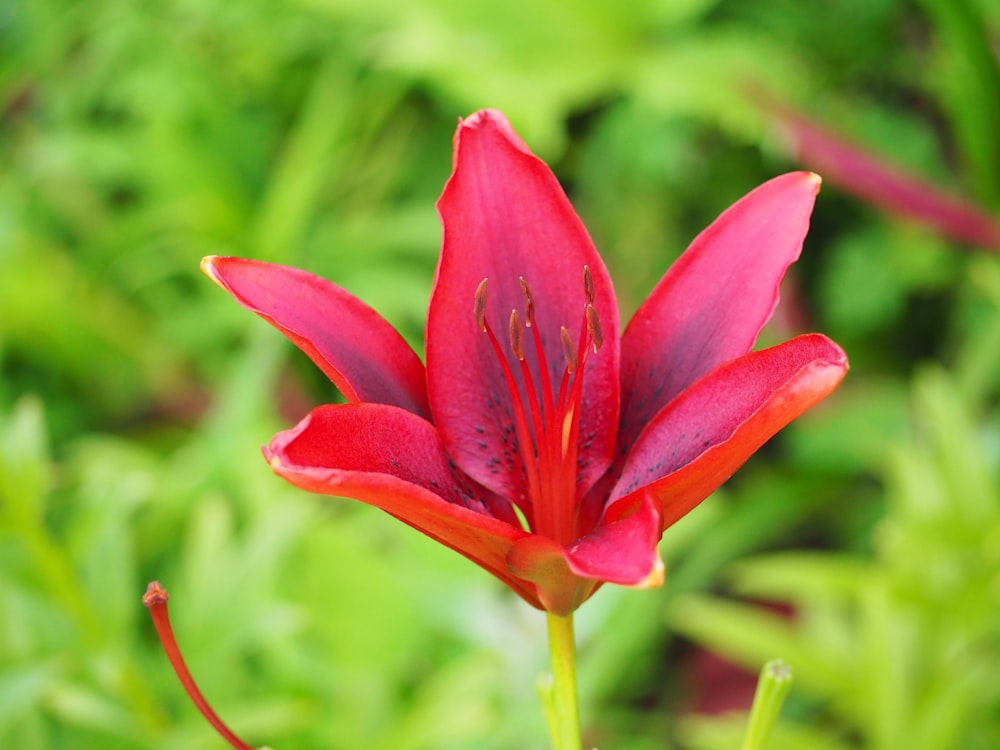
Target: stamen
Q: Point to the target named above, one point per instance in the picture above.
(546, 419)
(543, 371)
(594, 327)
(523, 433)
(155, 599)
(480, 304)
(516, 335)
(529, 302)
(569, 349)
(588, 285)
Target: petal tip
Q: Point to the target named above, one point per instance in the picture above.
(655, 578)
(808, 180)
(494, 120)
(272, 458)
(484, 118)
(208, 267)
(839, 357)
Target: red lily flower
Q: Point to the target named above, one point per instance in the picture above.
(538, 442)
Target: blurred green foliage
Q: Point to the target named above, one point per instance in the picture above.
(897, 651)
(137, 137)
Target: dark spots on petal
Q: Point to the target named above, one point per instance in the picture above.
(480, 429)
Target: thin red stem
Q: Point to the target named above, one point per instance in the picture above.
(543, 373)
(525, 443)
(155, 600)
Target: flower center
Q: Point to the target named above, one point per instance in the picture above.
(546, 414)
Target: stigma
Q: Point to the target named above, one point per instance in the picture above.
(545, 388)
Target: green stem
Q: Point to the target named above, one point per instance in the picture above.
(559, 696)
(772, 688)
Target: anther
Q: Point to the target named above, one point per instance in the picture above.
(569, 349)
(516, 335)
(588, 285)
(480, 304)
(594, 327)
(529, 302)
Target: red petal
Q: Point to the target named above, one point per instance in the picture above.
(358, 350)
(506, 217)
(702, 437)
(621, 550)
(712, 303)
(872, 179)
(623, 547)
(389, 458)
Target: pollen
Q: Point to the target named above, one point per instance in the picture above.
(529, 302)
(594, 327)
(516, 335)
(480, 304)
(569, 349)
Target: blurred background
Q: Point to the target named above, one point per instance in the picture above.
(862, 545)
